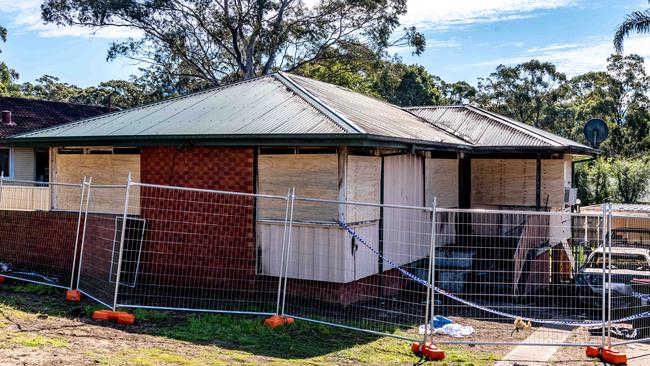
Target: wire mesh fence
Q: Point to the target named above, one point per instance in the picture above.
(103, 212)
(355, 265)
(193, 249)
(628, 276)
(38, 232)
(446, 275)
(526, 267)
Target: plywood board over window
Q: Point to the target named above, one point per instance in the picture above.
(441, 177)
(313, 175)
(512, 182)
(363, 185)
(104, 169)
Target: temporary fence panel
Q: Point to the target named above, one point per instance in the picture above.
(628, 277)
(37, 241)
(200, 250)
(365, 275)
(101, 239)
(511, 275)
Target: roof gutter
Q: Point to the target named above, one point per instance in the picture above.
(323, 140)
(577, 150)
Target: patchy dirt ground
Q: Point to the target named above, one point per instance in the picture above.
(38, 328)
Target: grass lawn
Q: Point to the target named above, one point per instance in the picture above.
(38, 327)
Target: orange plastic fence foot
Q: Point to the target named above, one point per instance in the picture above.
(607, 355)
(428, 350)
(593, 352)
(2, 280)
(121, 317)
(614, 357)
(73, 295)
(277, 321)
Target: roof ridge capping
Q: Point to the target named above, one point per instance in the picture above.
(320, 105)
(384, 102)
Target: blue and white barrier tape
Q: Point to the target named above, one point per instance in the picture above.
(484, 308)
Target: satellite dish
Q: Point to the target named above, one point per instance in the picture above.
(596, 131)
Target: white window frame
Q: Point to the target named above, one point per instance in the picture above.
(12, 162)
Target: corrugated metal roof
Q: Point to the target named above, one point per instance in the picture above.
(484, 128)
(372, 115)
(257, 106)
(277, 104)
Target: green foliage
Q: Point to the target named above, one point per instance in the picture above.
(624, 180)
(125, 93)
(416, 88)
(637, 22)
(32, 288)
(593, 180)
(526, 92)
(7, 78)
(218, 41)
(632, 177)
(360, 69)
(150, 315)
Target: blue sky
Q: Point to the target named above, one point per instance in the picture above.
(467, 38)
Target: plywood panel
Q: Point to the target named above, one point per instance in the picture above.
(25, 198)
(511, 182)
(441, 182)
(406, 231)
(104, 169)
(313, 175)
(553, 183)
(363, 185)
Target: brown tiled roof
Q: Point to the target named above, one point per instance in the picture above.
(31, 114)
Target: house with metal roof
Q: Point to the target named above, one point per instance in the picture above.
(282, 130)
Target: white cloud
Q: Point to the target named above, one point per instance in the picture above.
(444, 14)
(26, 17)
(425, 14)
(574, 59)
(554, 47)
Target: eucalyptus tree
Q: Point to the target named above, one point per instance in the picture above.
(225, 40)
(527, 92)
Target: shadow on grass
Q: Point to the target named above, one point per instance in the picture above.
(235, 332)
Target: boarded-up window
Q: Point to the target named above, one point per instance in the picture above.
(104, 169)
(313, 175)
(512, 182)
(441, 182)
(363, 185)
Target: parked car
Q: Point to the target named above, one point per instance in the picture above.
(627, 263)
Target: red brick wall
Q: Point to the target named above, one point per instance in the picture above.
(227, 169)
(198, 241)
(204, 241)
(39, 241)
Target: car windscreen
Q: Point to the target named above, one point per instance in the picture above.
(633, 262)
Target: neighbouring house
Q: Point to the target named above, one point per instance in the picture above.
(630, 223)
(21, 115)
(278, 131)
